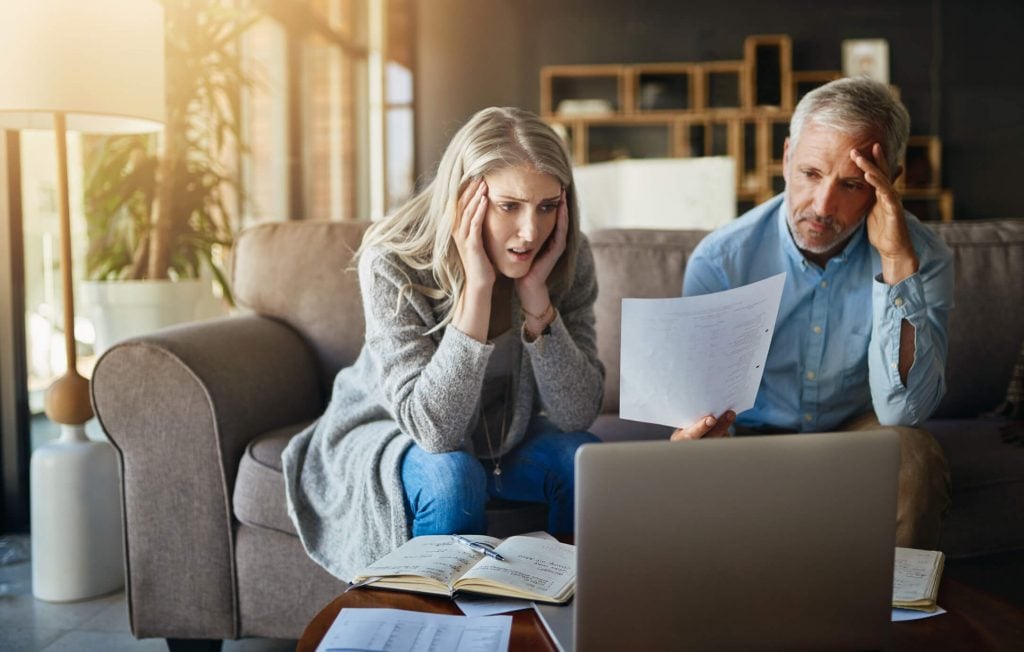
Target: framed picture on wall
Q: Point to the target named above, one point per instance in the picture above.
(868, 57)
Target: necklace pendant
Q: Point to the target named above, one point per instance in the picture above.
(497, 471)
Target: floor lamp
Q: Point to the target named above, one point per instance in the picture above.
(93, 66)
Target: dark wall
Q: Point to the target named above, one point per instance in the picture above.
(959, 64)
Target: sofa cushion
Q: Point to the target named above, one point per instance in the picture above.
(610, 427)
(988, 487)
(301, 273)
(260, 501)
(259, 498)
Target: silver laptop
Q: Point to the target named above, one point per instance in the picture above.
(780, 542)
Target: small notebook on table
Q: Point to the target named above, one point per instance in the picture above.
(531, 568)
(916, 578)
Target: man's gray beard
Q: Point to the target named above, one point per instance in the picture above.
(841, 236)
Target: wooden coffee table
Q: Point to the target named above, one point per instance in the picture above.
(975, 620)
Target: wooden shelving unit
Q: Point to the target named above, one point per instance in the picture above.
(737, 108)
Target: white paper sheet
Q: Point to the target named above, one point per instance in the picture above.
(397, 630)
(686, 357)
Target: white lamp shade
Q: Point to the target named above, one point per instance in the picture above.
(100, 62)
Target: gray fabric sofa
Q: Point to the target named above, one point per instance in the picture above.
(200, 413)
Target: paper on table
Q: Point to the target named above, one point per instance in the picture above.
(397, 630)
(687, 357)
(903, 615)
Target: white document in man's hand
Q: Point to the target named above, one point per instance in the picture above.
(686, 357)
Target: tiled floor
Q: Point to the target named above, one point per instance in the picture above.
(101, 624)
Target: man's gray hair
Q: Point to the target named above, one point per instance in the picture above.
(858, 106)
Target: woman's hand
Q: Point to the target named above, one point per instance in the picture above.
(549, 253)
(471, 210)
(706, 427)
(473, 309)
(532, 288)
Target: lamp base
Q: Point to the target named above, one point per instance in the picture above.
(77, 542)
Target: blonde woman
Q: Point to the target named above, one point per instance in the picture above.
(479, 372)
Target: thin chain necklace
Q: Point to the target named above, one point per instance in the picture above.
(504, 431)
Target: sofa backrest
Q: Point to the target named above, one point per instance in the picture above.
(301, 273)
(633, 263)
(986, 326)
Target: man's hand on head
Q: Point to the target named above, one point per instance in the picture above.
(886, 224)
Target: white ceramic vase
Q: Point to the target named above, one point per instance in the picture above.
(77, 542)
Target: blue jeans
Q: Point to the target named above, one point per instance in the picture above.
(445, 493)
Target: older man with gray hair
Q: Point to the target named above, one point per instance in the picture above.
(861, 336)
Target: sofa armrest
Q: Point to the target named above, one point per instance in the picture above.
(180, 405)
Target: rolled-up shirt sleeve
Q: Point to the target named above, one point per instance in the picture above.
(924, 299)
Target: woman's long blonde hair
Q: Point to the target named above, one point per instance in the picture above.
(420, 232)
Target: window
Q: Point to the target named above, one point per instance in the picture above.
(306, 152)
(264, 119)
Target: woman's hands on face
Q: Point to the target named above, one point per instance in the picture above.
(469, 235)
(708, 426)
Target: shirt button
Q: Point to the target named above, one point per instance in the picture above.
(894, 365)
(808, 416)
(824, 284)
(898, 301)
(817, 330)
(810, 375)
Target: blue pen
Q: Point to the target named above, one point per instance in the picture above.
(478, 546)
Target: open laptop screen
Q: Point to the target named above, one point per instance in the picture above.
(772, 542)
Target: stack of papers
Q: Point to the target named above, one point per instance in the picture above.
(397, 630)
(916, 578)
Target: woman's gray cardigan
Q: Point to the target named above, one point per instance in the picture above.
(342, 474)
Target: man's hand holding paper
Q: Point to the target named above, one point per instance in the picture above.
(709, 427)
(686, 359)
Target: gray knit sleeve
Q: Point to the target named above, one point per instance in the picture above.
(569, 375)
(430, 384)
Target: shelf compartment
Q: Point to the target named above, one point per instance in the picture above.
(664, 87)
(922, 165)
(722, 86)
(805, 81)
(583, 84)
(929, 204)
(614, 140)
(769, 66)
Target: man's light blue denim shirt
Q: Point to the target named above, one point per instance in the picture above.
(835, 351)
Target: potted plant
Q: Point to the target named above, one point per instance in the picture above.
(158, 220)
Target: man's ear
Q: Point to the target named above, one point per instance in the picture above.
(785, 160)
